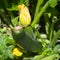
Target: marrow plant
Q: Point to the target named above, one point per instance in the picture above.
(25, 31)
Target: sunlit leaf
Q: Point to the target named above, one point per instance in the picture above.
(53, 3)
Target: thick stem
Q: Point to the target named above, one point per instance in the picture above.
(36, 20)
(38, 7)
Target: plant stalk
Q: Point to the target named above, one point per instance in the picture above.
(36, 20)
(37, 7)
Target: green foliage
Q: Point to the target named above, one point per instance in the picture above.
(6, 46)
(36, 20)
(29, 39)
(14, 3)
(53, 3)
(57, 49)
(50, 57)
(10, 6)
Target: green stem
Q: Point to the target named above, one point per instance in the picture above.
(36, 20)
(47, 25)
(6, 6)
(5, 19)
(51, 33)
(37, 7)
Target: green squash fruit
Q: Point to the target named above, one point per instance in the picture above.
(25, 37)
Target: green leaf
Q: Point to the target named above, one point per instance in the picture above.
(26, 2)
(14, 4)
(13, 8)
(5, 48)
(27, 40)
(27, 58)
(50, 57)
(53, 3)
(38, 57)
(57, 49)
(15, 21)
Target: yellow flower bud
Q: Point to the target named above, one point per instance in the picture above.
(24, 15)
(16, 52)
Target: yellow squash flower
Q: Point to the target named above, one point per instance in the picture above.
(16, 52)
(24, 15)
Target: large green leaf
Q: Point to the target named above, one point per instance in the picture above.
(27, 40)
